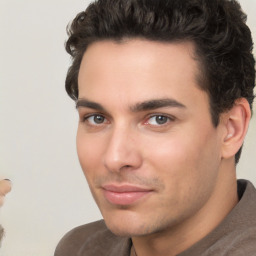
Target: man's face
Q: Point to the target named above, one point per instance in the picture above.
(145, 139)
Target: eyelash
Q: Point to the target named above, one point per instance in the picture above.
(167, 120)
(86, 118)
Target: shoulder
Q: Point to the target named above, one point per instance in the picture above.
(243, 241)
(236, 234)
(72, 242)
(91, 239)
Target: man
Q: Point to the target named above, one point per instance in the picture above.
(164, 91)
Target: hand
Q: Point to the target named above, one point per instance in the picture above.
(5, 187)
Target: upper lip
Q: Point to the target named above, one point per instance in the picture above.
(125, 188)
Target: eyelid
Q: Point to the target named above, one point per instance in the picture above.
(170, 118)
(93, 121)
(85, 117)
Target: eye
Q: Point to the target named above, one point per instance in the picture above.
(95, 119)
(158, 120)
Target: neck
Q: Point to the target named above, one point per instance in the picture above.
(174, 240)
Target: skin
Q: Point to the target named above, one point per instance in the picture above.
(185, 163)
(5, 187)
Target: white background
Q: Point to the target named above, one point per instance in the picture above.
(38, 127)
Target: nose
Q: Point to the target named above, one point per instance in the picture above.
(122, 151)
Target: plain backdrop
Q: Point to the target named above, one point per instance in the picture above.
(38, 128)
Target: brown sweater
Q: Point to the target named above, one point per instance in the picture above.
(235, 236)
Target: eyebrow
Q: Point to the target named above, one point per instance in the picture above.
(138, 107)
(89, 104)
(156, 103)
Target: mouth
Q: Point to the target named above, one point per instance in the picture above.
(124, 194)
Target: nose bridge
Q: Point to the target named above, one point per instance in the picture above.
(121, 150)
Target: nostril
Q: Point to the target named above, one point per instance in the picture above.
(126, 167)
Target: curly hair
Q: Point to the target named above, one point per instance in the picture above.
(217, 27)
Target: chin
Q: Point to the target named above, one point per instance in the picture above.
(125, 231)
(123, 227)
(126, 227)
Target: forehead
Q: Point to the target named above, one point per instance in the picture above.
(138, 70)
(141, 53)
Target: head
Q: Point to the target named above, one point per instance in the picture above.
(157, 84)
(217, 28)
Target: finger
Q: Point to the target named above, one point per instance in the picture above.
(5, 187)
(1, 200)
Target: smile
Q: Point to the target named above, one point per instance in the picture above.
(124, 195)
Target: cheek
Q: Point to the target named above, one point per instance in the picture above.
(185, 159)
(186, 167)
(89, 150)
(173, 151)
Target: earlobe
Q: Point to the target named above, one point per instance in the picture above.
(236, 125)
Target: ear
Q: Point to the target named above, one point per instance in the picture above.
(236, 122)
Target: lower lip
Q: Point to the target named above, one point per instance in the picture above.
(124, 198)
